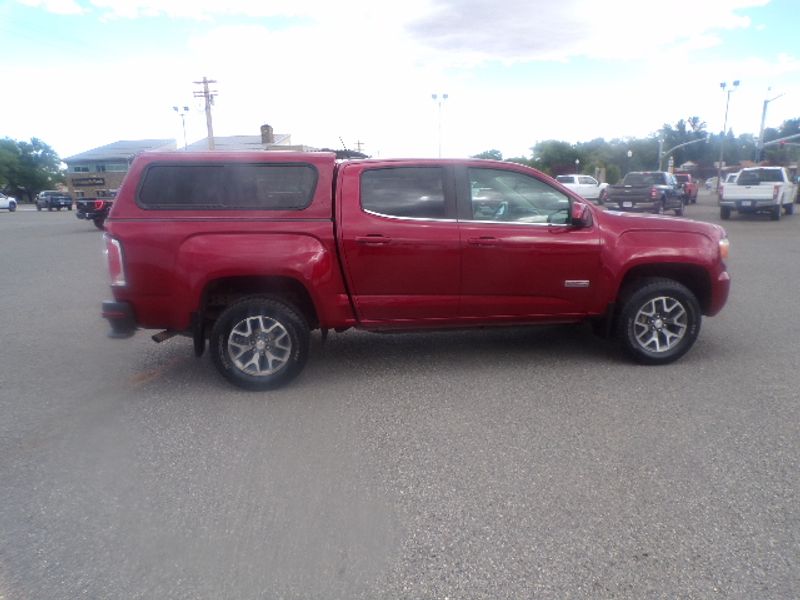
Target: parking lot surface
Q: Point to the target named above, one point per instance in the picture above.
(506, 463)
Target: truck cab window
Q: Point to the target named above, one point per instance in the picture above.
(411, 192)
(498, 195)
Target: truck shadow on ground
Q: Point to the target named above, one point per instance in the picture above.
(352, 352)
(360, 355)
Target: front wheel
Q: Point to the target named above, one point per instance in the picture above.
(12, 207)
(659, 321)
(259, 343)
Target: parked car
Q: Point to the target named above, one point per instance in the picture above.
(8, 203)
(51, 199)
(586, 186)
(647, 191)
(759, 190)
(689, 187)
(249, 252)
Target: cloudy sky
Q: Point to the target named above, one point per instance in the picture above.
(82, 73)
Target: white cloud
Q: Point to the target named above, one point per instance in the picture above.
(60, 7)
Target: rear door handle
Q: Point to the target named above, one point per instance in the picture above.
(373, 239)
(483, 241)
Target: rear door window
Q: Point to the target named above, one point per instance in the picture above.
(411, 192)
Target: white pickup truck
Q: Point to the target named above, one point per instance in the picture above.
(759, 189)
(586, 186)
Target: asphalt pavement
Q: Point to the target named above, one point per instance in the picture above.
(508, 463)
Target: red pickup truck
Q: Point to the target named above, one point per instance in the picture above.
(252, 251)
(690, 187)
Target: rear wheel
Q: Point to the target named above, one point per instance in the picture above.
(788, 209)
(724, 213)
(776, 213)
(259, 343)
(12, 207)
(99, 222)
(659, 321)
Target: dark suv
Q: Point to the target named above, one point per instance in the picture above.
(51, 199)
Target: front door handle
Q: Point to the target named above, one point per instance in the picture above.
(485, 241)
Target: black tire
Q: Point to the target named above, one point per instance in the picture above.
(776, 213)
(724, 213)
(69, 208)
(280, 328)
(99, 222)
(662, 207)
(659, 321)
(679, 211)
(12, 206)
(788, 209)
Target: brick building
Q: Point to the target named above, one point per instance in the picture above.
(99, 172)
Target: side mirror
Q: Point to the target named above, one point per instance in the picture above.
(581, 216)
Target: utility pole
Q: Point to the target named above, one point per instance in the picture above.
(208, 95)
(760, 142)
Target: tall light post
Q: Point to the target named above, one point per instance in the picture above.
(182, 111)
(577, 166)
(760, 143)
(628, 162)
(439, 99)
(724, 85)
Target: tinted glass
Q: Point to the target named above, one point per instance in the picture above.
(228, 187)
(415, 192)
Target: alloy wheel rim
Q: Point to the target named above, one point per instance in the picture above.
(259, 346)
(660, 324)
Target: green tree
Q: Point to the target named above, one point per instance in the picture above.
(555, 157)
(490, 154)
(26, 168)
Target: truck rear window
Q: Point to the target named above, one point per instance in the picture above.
(760, 176)
(227, 186)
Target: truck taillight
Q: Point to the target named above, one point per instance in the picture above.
(653, 193)
(724, 248)
(98, 205)
(776, 189)
(114, 259)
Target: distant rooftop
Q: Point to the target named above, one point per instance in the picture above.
(241, 143)
(122, 150)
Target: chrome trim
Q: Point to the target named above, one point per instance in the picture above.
(577, 283)
(397, 218)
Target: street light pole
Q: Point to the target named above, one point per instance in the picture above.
(439, 100)
(182, 111)
(724, 85)
(760, 143)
